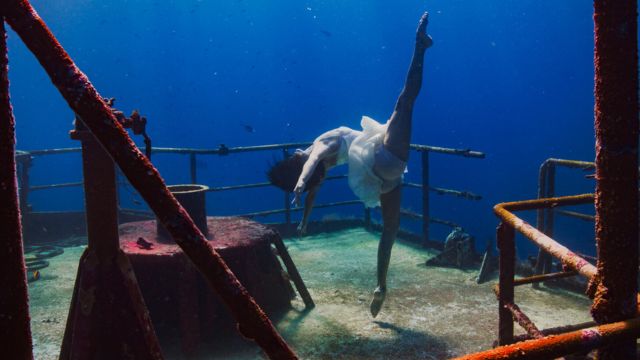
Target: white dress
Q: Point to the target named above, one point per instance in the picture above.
(367, 151)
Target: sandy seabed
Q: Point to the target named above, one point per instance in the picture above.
(430, 312)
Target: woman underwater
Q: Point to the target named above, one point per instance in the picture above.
(377, 158)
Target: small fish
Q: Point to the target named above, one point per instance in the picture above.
(326, 33)
(248, 128)
(33, 276)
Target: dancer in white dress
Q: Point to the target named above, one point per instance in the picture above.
(377, 158)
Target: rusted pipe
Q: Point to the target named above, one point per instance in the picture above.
(15, 331)
(574, 164)
(116, 324)
(616, 127)
(448, 151)
(551, 347)
(549, 217)
(97, 116)
(425, 198)
(577, 215)
(523, 320)
(505, 239)
(548, 244)
(546, 277)
(442, 191)
(556, 330)
(540, 218)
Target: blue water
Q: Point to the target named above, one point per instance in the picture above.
(512, 79)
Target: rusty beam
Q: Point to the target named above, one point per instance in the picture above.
(573, 261)
(616, 127)
(523, 320)
(15, 331)
(551, 347)
(505, 239)
(83, 98)
(107, 317)
(546, 277)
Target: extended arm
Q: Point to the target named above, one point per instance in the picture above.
(320, 151)
(308, 206)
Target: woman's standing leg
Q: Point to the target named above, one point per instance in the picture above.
(396, 141)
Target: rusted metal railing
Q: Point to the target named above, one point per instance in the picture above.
(545, 219)
(582, 337)
(26, 157)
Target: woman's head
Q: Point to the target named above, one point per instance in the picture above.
(285, 173)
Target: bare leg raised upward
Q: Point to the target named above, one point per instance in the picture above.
(396, 141)
(398, 136)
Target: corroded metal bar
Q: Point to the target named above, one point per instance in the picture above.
(107, 328)
(448, 151)
(223, 150)
(577, 215)
(523, 320)
(287, 196)
(300, 208)
(15, 331)
(442, 191)
(545, 277)
(239, 187)
(549, 217)
(55, 186)
(556, 330)
(193, 168)
(23, 193)
(425, 198)
(292, 270)
(547, 202)
(540, 219)
(616, 128)
(575, 164)
(548, 244)
(505, 238)
(99, 119)
(551, 347)
(416, 216)
(259, 185)
(54, 151)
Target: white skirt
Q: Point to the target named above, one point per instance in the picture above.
(364, 152)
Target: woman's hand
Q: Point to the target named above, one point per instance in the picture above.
(302, 229)
(297, 194)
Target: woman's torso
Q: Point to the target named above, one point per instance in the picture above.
(340, 139)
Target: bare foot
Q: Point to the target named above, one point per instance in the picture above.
(378, 298)
(422, 39)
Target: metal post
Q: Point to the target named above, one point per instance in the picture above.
(425, 198)
(540, 218)
(117, 322)
(25, 164)
(549, 213)
(100, 198)
(616, 129)
(193, 168)
(15, 330)
(287, 201)
(367, 218)
(505, 238)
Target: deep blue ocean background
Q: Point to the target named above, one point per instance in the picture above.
(511, 79)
